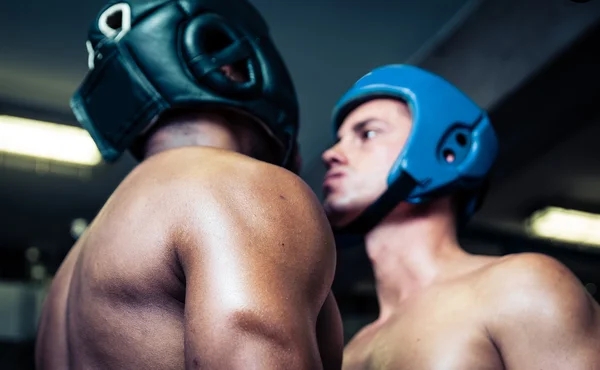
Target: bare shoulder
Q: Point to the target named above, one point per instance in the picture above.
(532, 271)
(531, 268)
(219, 170)
(214, 191)
(530, 287)
(208, 178)
(251, 186)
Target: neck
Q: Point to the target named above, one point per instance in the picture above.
(410, 253)
(204, 130)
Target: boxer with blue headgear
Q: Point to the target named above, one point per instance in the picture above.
(195, 261)
(410, 165)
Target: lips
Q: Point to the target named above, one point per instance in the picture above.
(330, 178)
(333, 174)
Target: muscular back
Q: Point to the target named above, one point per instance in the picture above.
(201, 258)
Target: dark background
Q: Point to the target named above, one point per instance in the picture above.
(531, 63)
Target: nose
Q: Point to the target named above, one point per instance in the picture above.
(334, 156)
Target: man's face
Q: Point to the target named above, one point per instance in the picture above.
(370, 140)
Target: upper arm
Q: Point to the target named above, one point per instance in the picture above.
(257, 273)
(545, 318)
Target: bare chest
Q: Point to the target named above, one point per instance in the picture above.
(425, 336)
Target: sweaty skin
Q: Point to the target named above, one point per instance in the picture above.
(517, 312)
(201, 259)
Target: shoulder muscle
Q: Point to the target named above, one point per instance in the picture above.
(540, 286)
(535, 297)
(264, 214)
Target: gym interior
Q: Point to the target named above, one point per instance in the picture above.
(532, 64)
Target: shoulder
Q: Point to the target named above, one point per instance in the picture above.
(531, 268)
(525, 271)
(275, 190)
(200, 173)
(215, 165)
(260, 218)
(209, 190)
(533, 288)
(253, 187)
(205, 186)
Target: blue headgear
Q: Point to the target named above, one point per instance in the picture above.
(445, 122)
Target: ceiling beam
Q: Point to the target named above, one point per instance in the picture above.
(552, 106)
(503, 42)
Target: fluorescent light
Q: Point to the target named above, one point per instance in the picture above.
(47, 140)
(566, 225)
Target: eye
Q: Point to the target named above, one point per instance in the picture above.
(368, 134)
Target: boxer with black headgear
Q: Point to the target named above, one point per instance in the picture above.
(410, 166)
(210, 254)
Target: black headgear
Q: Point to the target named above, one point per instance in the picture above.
(149, 56)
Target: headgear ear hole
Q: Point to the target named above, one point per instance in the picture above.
(238, 71)
(115, 21)
(221, 57)
(215, 39)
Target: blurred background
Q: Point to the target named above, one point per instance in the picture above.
(531, 63)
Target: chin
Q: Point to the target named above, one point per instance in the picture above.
(340, 215)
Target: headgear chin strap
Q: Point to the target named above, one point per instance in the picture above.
(445, 124)
(150, 56)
